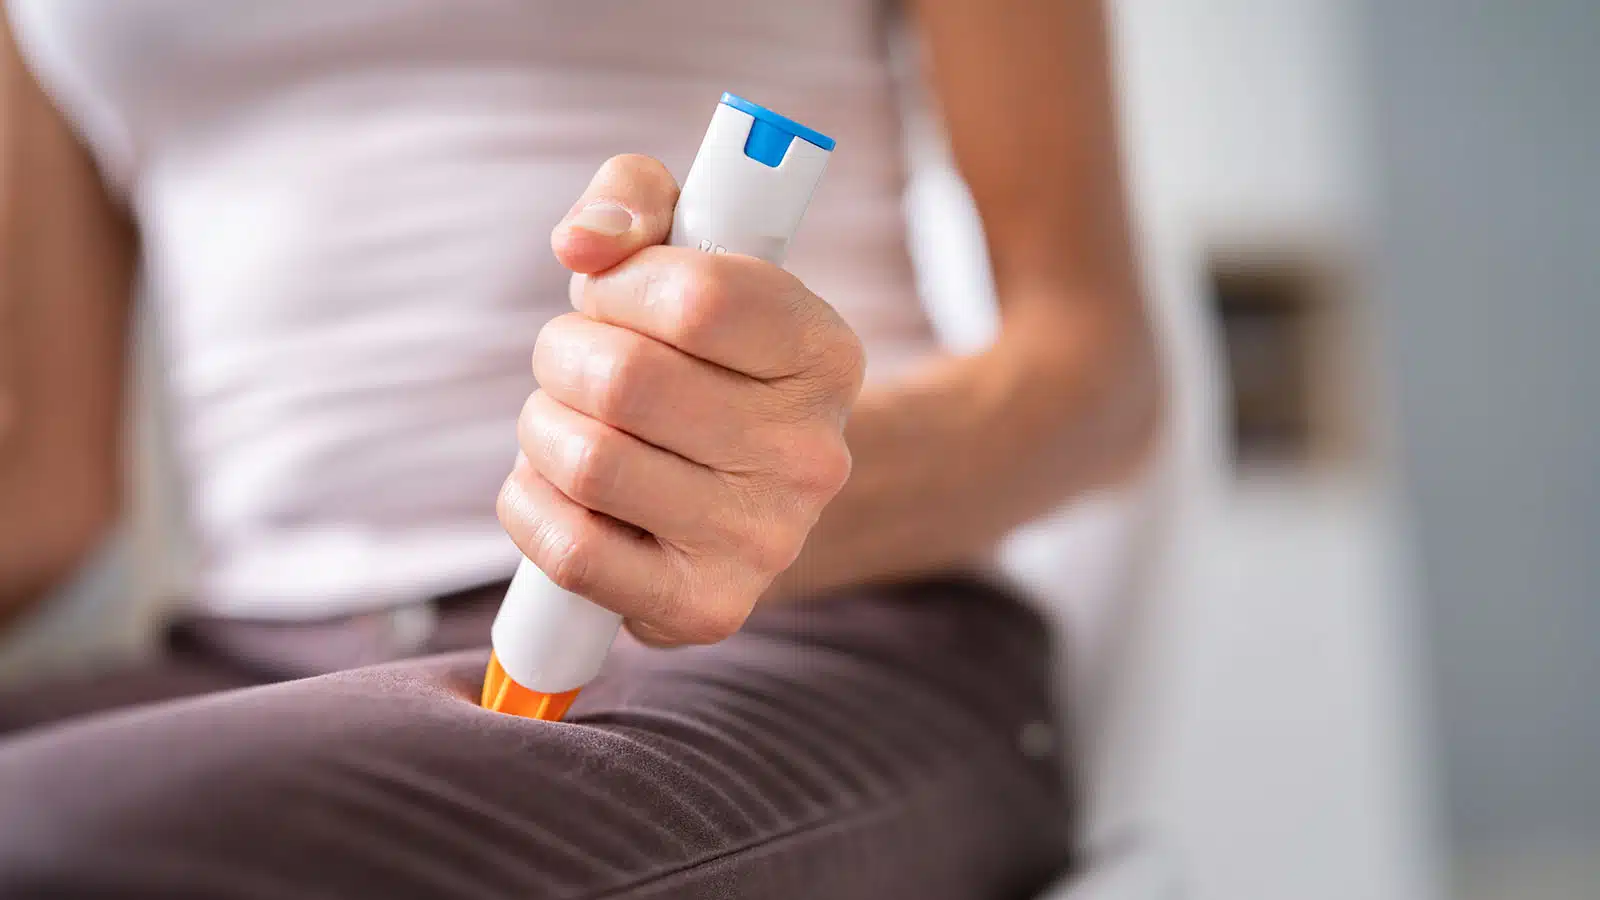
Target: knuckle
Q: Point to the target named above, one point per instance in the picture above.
(625, 384)
(578, 291)
(528, 430)
(595, 466)
(568, 557)
(626, 162)
(703, 298)
(841, 361)
(505, 504)
(637, 165)
(515, 505)
(853, 360)
(778, 547)
(555, 364)
(643, 183)
(821, 466)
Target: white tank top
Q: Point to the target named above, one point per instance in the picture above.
(345, 210)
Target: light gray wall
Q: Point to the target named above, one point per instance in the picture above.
(1487, 144)
(1274, 755)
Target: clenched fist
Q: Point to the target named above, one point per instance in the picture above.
(687, 432)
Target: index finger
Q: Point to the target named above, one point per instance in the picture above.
(737, 312)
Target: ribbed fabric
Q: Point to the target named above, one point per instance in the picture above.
(886, 744)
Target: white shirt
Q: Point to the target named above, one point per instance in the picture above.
(345, 210)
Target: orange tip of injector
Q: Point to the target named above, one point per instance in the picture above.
(502, 694)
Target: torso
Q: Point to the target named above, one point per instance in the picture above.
(345, 210)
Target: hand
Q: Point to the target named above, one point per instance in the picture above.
(688, 429)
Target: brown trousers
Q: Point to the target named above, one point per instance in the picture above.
(864, 746)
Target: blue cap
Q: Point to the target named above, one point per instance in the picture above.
(771, 134)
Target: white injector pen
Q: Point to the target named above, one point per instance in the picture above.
(745, 193)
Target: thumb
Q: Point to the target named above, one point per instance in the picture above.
(627, 207)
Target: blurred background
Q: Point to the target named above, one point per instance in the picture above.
(1357, 654)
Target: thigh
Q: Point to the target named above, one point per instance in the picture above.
(207, 655)
(171, 676)
(864, 747)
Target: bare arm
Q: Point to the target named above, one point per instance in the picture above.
(66, 258)
(1068, 398)
(693, 447)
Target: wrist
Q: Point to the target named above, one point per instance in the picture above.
(925, 448)
(952, 456)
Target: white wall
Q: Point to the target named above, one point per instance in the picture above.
(1288, 763)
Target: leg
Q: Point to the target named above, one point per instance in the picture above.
(203, 656)
(866, 747)
(176, 674)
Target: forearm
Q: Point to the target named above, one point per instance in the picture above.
(950, 459)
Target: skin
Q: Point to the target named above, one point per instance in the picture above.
(66, 261)
(700, 440)
(689, 427)
(688, 453)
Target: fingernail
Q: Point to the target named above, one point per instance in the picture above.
(603, 218)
